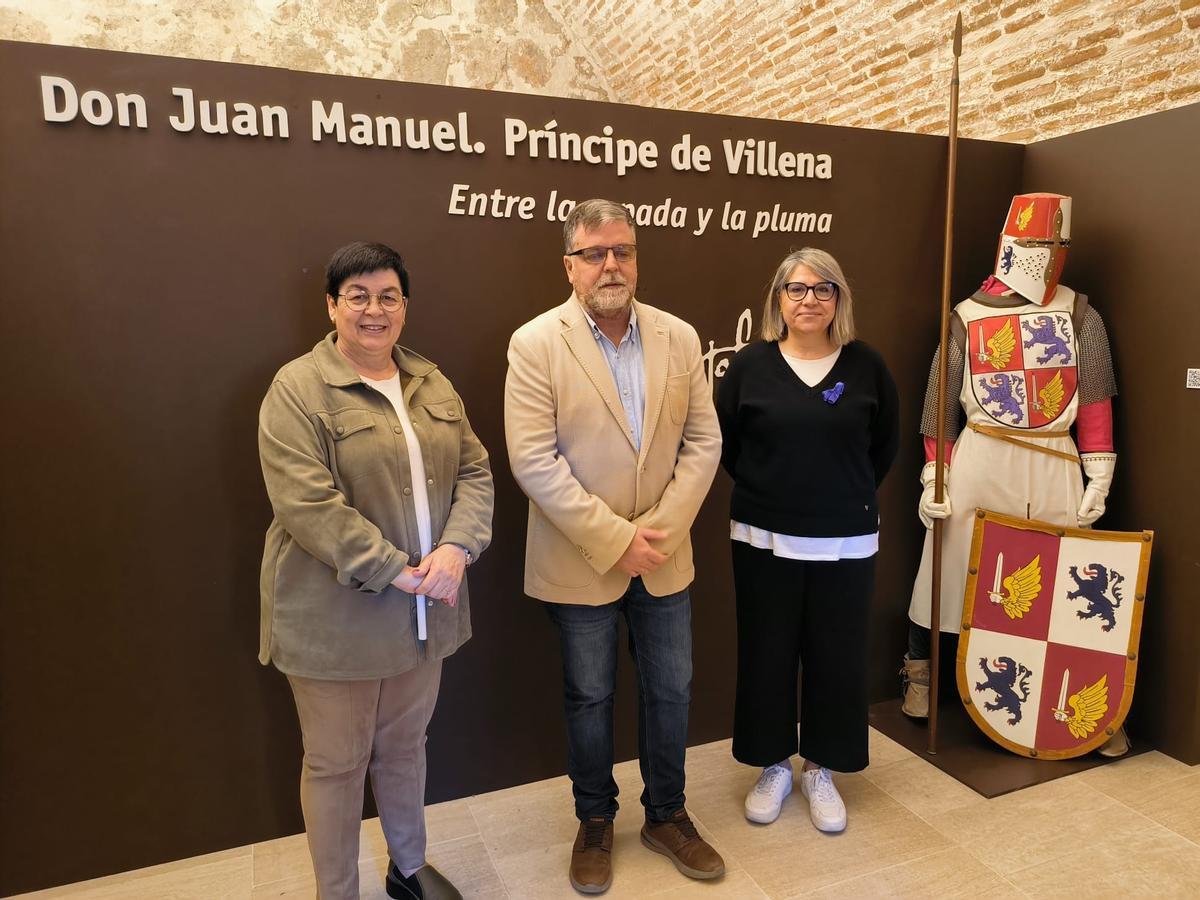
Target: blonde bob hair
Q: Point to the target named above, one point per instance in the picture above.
(826, 268)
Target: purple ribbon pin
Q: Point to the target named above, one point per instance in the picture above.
(834, 393)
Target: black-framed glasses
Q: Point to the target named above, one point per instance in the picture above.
(594, 256)
(389, 301)
(822, 290)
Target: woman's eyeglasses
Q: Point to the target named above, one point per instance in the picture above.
(822, 290)
(360, 300)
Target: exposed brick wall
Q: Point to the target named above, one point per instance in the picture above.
(1031, 69)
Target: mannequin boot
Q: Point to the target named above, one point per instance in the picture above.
(915, 679)
(1117, 745)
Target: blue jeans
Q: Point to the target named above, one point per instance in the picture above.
(660, 642)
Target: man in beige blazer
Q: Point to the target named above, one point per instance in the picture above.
(612, 435)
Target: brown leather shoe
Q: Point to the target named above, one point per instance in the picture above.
(591, 857)
(678, 840)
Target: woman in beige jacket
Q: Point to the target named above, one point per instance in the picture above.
(382, 496)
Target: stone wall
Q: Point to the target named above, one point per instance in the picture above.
(1031, 69)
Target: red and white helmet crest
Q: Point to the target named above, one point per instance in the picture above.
(1033, 245)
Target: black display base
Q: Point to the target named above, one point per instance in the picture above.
(966, 754)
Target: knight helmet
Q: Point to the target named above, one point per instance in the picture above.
(1033, 245)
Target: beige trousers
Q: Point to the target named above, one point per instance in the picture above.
(351, 728)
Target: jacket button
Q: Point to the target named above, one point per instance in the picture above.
(340, 429)
(416, 557)
(398, 430)
(407, 491)
(429, 481)
(430, 602)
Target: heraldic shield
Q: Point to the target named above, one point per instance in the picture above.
(1051, 622)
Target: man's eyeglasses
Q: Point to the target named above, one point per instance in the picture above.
(360, 300)
(822, 290)
(594, 256)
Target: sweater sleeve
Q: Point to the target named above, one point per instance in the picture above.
(727, 406)
(885, 427)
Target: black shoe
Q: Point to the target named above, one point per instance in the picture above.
(401, 888)
(427, 883)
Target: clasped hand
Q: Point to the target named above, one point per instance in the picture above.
(639, 557)
(438, 576)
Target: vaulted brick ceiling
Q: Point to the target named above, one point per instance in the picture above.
(1031, 69)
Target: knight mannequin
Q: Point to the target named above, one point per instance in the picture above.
(1027, 360)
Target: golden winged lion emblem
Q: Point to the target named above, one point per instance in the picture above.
(1024, 216)
(1000, 346)
(1051, 396)
(1088, 705)
(1020, 588)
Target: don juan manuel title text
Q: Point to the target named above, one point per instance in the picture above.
(65, 103)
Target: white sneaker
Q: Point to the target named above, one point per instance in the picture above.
(825, 804)
(766, 797)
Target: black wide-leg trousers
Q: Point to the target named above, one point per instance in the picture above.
(793, 614)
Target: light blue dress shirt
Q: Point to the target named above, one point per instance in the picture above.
(628, 370)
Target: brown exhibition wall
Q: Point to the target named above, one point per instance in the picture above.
(1135, 222)
(155, 281)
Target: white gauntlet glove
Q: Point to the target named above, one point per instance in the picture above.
(927, 509)
(1098, 467)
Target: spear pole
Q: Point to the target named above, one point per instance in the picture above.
(939, 483)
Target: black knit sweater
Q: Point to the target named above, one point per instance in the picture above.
(802, 465)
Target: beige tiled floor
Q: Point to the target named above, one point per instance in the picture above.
(1128, 829)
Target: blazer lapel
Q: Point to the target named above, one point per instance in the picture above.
(582, 343)
(656, 346)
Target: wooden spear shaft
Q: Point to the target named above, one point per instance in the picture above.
(939, 483)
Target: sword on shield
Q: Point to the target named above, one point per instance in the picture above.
(1060, 711)
(939, 483)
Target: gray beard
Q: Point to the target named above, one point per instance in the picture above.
(603, 306)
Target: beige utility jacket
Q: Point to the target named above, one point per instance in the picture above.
(335, 463)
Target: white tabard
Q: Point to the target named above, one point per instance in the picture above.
(1019, 375)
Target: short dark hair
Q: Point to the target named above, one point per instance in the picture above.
(359, 258)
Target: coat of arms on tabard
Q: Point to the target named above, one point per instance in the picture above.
(1022, 367)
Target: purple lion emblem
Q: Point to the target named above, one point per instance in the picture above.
(1006, 261)
(1045, 333)
(1006, 392)
(1098, 582)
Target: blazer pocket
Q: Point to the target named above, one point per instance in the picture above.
(556, 560)
(678, 393)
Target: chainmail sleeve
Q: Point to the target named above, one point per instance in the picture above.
(954, 378)
(1096, 379)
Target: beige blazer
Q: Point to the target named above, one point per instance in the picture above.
(572, 453)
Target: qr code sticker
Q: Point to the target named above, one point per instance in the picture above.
(1193, 378)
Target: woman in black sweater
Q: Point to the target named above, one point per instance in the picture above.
(809, 418)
